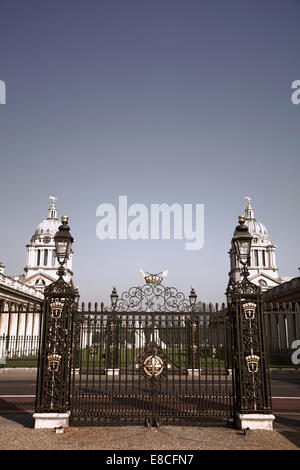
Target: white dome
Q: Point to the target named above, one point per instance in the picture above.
(256, 228)
(47, 227)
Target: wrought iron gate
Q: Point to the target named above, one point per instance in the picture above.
(151, 359)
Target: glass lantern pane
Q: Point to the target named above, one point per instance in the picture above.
(244, 248)
(61, 248)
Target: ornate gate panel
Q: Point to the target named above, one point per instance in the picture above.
(151, 359)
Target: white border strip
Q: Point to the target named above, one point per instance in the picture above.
(17, 396)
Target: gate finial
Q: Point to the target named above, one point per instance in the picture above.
(153, 278)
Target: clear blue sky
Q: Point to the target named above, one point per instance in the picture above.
(162, 101)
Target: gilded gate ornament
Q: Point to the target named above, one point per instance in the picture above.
(153, 366)
(56, 309)
(53, 362)
(252, 362)
(249, 309)
(153, 362)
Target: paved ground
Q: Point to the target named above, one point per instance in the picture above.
(17, 433)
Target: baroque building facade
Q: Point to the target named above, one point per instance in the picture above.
(263, 267)
(20, 295)
(41, 265)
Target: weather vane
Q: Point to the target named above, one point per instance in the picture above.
(153, 278)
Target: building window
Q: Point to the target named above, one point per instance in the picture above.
(38, 262)
(264, 258)
(256, 258)
(45, 257)
(53, 258)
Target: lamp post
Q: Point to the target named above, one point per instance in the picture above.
(193, 336)
(250, 371)
(114, 298)
(113, 330)
(63, 244)
(241, 241)
(54, 368)
(193, 299)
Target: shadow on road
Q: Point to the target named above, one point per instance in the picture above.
(20, 412)
(289, 427)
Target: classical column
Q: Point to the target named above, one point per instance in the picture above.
(29, 324)
(13, 321)
(3, 323)
(21, 322)
(36, 324)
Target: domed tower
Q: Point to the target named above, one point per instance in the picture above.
(41, 264)
(263, 269)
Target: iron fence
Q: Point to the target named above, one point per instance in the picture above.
(19, 351)
(282, 325)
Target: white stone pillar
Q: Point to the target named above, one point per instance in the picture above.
(36, 324)
(29, 324)
(21, 324)
(31, 257)
(13, 324)
(3, 324)
(274, 258)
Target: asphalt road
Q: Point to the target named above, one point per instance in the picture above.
(16, 384)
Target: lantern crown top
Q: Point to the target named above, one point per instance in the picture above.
(64, 223)
(242, 227)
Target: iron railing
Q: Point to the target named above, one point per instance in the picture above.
(18, 351)
(282, 326)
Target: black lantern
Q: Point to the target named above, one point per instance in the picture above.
(193, 298)
(114, 298)
(63, 241)
(242, 242)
